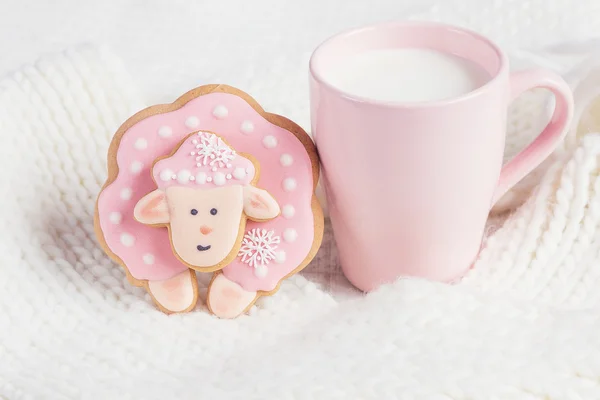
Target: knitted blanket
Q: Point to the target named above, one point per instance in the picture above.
(522, 324)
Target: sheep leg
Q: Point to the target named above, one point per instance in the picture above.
(227, 299)
(176, 294)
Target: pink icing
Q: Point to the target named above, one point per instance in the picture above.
(203, 155)
(146, 250)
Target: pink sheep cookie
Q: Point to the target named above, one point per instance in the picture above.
(210, 183)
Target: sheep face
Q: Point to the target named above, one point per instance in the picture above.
(204, 224)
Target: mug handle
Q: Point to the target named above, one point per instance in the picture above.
(543, 145)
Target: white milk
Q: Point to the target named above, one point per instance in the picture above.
(407, 75)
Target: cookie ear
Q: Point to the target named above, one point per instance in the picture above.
(152, 208)
(259, 204)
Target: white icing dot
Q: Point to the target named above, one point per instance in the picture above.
(140, 144)
(165, 131)
(127, 240)
(115, 217)
(239, 173)
(198, 164)
(219, 179)
(214, 169)
(183, 176)
(228, 165)
(289, 184)
(165, 175)
(136, 167)
(192, 122)
(280, 257)
(209, 179)
(286, 160)
(174, 177)
(269, 141)
(290, 235)
(247, 127)
(148, 259)
(288, 211)
(261, 271)
(126, 193)
(228, 176)
(201, 178)
(220, 112)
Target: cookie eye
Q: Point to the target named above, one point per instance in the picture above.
(213, 211)
(194, 211)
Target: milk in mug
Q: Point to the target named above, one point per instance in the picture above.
(406, 75)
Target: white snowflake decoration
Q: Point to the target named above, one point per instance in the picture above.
(212, 150)
(258, 247)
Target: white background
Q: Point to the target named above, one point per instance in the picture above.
(260, 46)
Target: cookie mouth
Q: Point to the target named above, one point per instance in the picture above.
(203, 248)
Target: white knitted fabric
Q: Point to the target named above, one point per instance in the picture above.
(523, 324)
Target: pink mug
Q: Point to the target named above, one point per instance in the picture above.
(410, 185)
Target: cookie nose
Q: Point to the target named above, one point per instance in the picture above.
(205, 230)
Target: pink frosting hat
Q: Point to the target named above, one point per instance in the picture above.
(205, 161)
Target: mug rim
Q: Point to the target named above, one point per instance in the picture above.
(318, 76)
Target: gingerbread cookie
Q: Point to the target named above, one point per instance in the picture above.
(209, 183)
